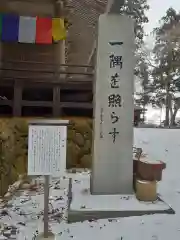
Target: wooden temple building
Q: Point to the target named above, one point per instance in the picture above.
(56, 79)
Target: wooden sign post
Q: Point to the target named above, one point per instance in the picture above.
(47, 156)
(46, 206)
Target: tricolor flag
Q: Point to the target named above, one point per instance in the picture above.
(58, 29)
(27, 29)
(43, 30)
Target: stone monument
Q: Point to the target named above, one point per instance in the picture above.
(112, 170)
(111, 188)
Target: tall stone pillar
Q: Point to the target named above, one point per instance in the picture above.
(112, 169)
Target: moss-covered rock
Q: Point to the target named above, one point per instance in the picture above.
(86, 161)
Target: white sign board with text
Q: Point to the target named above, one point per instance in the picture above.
(47, 150)
(112, 169)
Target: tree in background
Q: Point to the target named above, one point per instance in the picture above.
(137, 10)
(159, 70)
(165, 73)
(142, 96)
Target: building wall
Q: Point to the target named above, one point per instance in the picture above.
(29, 7)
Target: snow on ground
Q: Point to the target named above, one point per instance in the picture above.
(25, 211)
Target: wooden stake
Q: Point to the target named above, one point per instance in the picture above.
(46, 206)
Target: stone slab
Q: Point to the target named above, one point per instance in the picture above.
(84, 206)
(113, 106)
(50, 237)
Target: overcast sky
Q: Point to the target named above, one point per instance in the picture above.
(157, 10)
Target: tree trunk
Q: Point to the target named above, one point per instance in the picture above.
(167, 105)
(171, 111)
(173, 117)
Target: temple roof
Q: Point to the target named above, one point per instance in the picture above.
(83, 31)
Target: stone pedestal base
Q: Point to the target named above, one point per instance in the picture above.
(50, 237)
(84, 206)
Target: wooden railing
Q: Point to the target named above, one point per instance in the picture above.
(60, 80)
(43, 72)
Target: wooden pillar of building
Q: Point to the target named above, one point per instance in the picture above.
(59, 56)
(56, 101)
(17, 107)
(60, 46)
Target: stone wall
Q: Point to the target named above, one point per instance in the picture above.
(14, 145)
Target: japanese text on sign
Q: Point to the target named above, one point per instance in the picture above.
(46, 149)
(115, 99)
